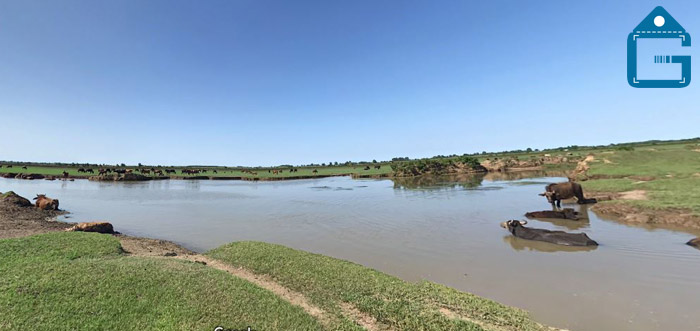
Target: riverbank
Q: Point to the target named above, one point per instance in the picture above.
(648, 186)
(63, 279)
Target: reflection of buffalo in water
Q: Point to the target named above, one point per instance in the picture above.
(555, 237)
(560, 191)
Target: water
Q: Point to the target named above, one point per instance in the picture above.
(444, 229)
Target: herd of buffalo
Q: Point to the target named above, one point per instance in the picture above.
(554, 194)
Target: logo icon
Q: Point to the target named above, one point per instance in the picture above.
(660, 25)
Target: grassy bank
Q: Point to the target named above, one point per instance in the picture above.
(86, 281)
(669, 174)
(72, 281)
(331, 284)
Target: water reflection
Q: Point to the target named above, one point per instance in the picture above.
(447, 182)
(519, 244)
(517, 175)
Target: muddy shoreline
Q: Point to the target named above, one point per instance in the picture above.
(21, 221)
(613, 206)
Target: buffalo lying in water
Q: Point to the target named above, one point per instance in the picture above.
(555, 237)
(694, 242)
(566, 213)
(560, 191)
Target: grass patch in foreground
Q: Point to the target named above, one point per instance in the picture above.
(328, 282)
(81, 281)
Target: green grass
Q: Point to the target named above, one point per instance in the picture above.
(81, 281)
(328, 282)
(675, 169)
(221, 172)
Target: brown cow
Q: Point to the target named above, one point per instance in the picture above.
(100, 227)
(44, 203)
(557, 192)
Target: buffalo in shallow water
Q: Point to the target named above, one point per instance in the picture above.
(694, 242)
(566, 213)
(44, 203)
(560, 191)
(517, 229)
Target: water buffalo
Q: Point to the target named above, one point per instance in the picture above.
(554, 237)
(694, 242)
(566, 213)
(557, 192)
(44, 203)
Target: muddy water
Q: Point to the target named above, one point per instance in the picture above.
(443, 229)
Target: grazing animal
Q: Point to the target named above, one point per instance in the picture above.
(557, 192)
(101, 171)
(128, 171)
(24, 167)
(315, 171)
(100, 227)
(44, 203)
(158, 172)
(366, 167)
(377, 167)
(9, 166)
(65, 174)
(145, 171)
(81, 170)
(555, 237)
(566, 213)
(90, 171)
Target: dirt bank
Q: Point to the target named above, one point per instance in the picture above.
(20, 221)
(616, 206)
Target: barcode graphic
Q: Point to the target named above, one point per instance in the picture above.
(662, 59)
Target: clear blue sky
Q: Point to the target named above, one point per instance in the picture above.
(270, 82)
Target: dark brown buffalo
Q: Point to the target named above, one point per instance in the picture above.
(560, 191)
(566, 213)
(555, 237)
(44, 203)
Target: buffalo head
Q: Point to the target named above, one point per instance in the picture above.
(512, 224)
(551, 196)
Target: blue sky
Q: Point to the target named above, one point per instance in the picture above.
(275, 82)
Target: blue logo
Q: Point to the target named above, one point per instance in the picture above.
(661, 26)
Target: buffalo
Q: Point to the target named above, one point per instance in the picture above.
(555, 237)
(566, 213)
(44, 203)
(557, 192)
(694, 242)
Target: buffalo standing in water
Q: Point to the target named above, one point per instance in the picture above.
(557, 192)
(555, 237)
